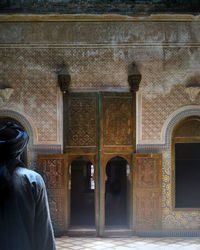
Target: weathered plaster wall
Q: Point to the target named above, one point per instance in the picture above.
(98, 55)
(128, 7)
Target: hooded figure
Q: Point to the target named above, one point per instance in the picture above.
(25, 222)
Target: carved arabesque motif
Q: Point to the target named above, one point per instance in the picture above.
(147, 174)
(53, 170)
(147, 192)
(117, 121)
(56, 207)
(82, 119)
(53, 173)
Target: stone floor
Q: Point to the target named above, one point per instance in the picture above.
(69, 243)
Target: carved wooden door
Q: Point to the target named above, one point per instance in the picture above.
(117, 140)
(53, 170)
(147, 192)
(99, 124)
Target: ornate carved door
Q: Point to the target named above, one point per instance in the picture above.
(147, 192)
(97, 125)
(81, 138)
(117, 140)
(53, 170)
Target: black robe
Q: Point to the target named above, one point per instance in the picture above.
(25, 222)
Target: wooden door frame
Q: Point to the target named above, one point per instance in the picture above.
(104, 160)
(92, 158)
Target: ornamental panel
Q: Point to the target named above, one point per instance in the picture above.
(147, 192)
(146, 207)
(80, 120)
(117, 120)
(53, 170)
(147, 174)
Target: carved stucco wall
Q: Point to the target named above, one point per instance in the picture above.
(98, 55)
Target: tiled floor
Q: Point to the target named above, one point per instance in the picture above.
(74, 243)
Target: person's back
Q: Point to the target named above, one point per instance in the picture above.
(24, 213)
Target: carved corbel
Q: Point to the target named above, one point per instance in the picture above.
(192, 89)
(193, 92)
(134, 78)
(64, 78)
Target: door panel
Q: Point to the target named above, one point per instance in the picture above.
(147, 192)
(117, 128)
(53, 170)
(80, 123)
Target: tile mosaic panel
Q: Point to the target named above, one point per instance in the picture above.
(172, 219)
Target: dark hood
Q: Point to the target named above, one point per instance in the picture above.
(13, 141)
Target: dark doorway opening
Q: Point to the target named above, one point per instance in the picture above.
(4, 120)
(187, 175)
(82, 193)
(116, 193)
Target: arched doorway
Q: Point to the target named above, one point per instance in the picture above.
(116, 193)
(82, 195)
(6, 119)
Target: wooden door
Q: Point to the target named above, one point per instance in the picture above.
(53, 170)
(100, 124)
(117, 138)
(147, 192)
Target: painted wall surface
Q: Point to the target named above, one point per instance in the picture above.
(98, 56)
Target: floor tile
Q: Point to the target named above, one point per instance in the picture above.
(134, 243)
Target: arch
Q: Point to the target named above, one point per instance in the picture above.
(23, 121)
(124, 156)
(175, 118)
(185, 147)
(90, 157)
(120, 158)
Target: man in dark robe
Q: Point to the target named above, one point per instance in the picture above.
(25, 222)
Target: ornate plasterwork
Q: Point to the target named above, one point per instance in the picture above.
(192, 92)
(6, 93)
(174, 118)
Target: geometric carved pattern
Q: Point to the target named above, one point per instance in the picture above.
(56, 205)
(40, 92)
(53, 170)
(81, 120)
(117, 122)
(147, 192)
(156, 111)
